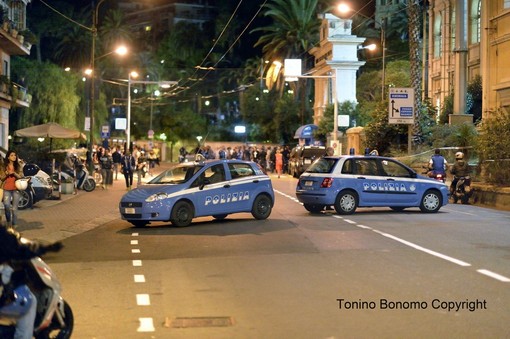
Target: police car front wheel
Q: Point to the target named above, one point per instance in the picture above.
(346, 202)
(431, 202)
(182, 214)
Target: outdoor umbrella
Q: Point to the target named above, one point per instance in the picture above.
(50, 130)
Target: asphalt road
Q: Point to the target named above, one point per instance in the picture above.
(376, 273)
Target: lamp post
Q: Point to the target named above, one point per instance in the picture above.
(92, 83)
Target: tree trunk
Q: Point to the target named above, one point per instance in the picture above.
(413, 13)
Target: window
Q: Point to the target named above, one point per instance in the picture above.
(240, 170)
(366, 167)
(393, 169)
(215, 174)
(506, 4)
(438, 39)
(474, 21)
(452, 27)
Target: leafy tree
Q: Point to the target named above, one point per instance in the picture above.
(54, 93)
(383, 136)
(493, 146)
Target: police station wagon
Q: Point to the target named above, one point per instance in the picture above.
(349, 182)
(194, 189)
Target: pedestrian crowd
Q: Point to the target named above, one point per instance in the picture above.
(111, 162)
(272, 159)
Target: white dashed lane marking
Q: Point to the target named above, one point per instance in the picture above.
(143, 299)
(485, 272)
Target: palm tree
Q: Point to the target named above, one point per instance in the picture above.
(413, 13)
(293, 31)
(113, 30)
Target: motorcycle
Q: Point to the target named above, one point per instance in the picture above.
(438, 176)
(462, 190)
(84, 180)
(435, 175)
(54, 317)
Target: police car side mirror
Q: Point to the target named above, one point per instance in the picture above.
(414, 175)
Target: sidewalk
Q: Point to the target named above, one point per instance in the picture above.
(52, 220)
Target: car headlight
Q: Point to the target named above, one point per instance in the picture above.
(156, 197)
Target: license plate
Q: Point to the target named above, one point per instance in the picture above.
(308, 183)
(308, 161)
(129, 210)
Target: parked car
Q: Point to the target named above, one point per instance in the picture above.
(214, 188)
(302, 156)
(348, 182)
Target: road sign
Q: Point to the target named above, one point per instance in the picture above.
(401, 106)
(105, 131)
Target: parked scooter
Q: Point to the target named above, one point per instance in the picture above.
(54, 317)
(462, 190)
(83, 179)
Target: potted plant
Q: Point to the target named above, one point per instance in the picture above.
(67, 185)
(29, 38)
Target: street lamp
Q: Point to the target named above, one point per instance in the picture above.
(92, 88)
(132, 74)
(344, 8)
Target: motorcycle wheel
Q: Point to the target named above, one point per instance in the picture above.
(89, 185)
(26, 200)
(57, 332)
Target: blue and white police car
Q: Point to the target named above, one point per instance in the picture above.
(349, 182)
(194, 189)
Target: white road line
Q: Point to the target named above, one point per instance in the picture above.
(135, 250)
(143, 300)
(455, 211)
(423, 249)
(139, 278)
(137, 263)
(364, 227)
(134, 234)
(134, 242)
(494, 275)
(146, 325)
(350, 221)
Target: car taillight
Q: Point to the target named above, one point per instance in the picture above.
(327, 182)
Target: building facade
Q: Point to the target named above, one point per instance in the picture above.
(12, 42)
(469, 38)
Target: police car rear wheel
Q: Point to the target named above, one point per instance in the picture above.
(312, 208)
(261, 207)
(182, 214)
(431, 202)
(346, 202)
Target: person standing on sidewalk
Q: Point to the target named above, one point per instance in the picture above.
(117, 159)
(9, 173)
(106, 162)
(128, 166)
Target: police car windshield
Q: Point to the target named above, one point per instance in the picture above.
(176, 175)
(322, 165)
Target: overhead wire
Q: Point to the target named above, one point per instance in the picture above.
(226, 52)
